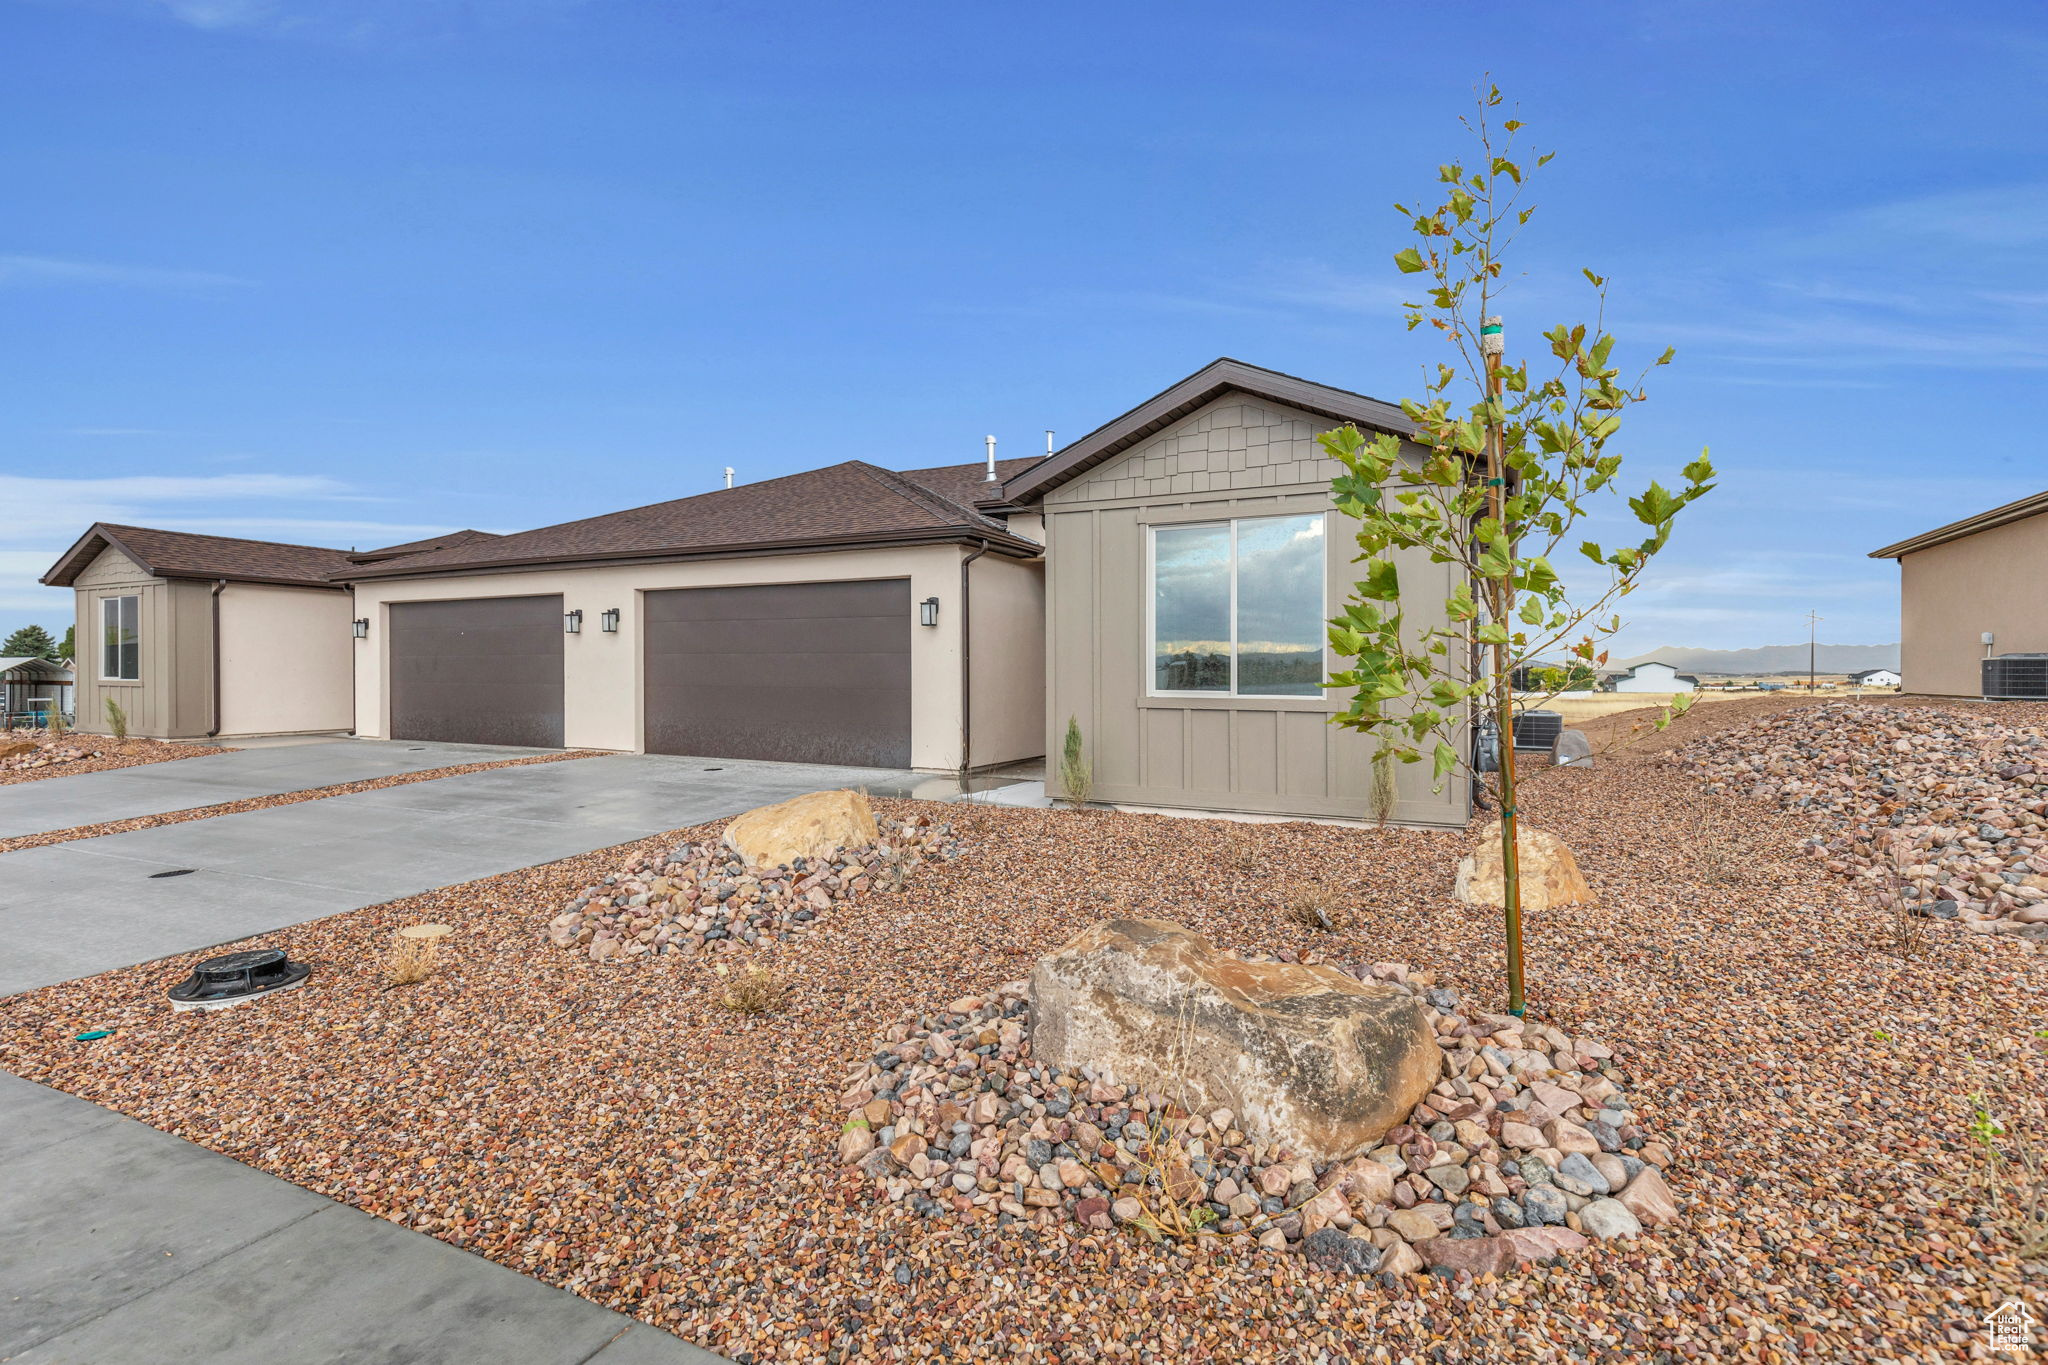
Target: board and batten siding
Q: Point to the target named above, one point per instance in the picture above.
(1235, 457)
(174, 696)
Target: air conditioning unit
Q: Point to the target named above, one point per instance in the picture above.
(2016, 677)
(1537, 729)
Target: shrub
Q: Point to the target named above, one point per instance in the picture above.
(117, 719)
(1077, 775)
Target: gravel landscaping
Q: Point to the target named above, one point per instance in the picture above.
(179, 817)
(76, 753)
(609, 1127)
(1512, 1158)
(1945, 810)
(704, 897)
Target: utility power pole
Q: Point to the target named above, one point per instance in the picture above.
(1813, 620)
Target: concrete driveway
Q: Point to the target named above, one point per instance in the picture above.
(180, 784)
(126, 1246)
(236, 875)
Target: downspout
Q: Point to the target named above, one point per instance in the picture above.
(217, 587)
(966, 659)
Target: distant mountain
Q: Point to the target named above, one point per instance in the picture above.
(1769, 659)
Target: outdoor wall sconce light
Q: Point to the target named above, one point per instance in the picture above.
(572, 621)
(609, 622)
(928, 612)
(360, 627)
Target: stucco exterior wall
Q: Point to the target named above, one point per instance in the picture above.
(1949, 595)
(1006, 665)
(172, 699)
(285, 660)
(603, 673)
(1235, 457)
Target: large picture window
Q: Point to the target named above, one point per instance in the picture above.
(1237, 608)
(120, 639)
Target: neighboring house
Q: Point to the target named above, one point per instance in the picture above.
(1192, 560)
(32, 690)
(1971, 590)
(1166, 581)
(196, 636)
(1875, 677)
(1650, 676)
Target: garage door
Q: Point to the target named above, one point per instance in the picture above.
(487, 670)
(794, 672)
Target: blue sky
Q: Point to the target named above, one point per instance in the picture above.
(350, 273)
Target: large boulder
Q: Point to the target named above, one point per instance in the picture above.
(1549, 874)
(1571, 749)
(812, 826)
(17, 748)
(1307, 1057)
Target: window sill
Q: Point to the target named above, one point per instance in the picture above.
(1224, 703)
(119, 682)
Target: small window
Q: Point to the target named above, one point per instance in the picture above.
(1237, 608)
(120, 639)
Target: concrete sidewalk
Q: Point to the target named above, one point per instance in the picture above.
(126, 1246)
(266, 869)
(70, 801)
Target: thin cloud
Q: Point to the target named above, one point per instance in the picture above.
(44, 272)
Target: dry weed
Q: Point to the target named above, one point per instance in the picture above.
(1904, 928)
(414, 953)
(754, 991)
(1317, 909)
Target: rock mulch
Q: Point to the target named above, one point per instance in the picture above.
(76, 753)
(1526, 1148)
(703, 897)
(179, 817)
(610, 1129)
(1946, 811)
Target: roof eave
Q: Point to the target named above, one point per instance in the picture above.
(73, 561)
(1016, 546)
(2031, 506)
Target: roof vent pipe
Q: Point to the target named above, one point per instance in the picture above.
(728, 476)
(1048, 442)
(990, 477)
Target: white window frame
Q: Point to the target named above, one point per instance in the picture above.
(114, 602)
(1151, 640)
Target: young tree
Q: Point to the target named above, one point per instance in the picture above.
(30, 642)
(1510, 459)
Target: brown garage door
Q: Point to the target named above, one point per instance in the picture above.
(486, 670)
(794, 672)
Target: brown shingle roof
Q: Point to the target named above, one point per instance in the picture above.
(414, 547)
(182, 554)
(967, 484)
(841, 505)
